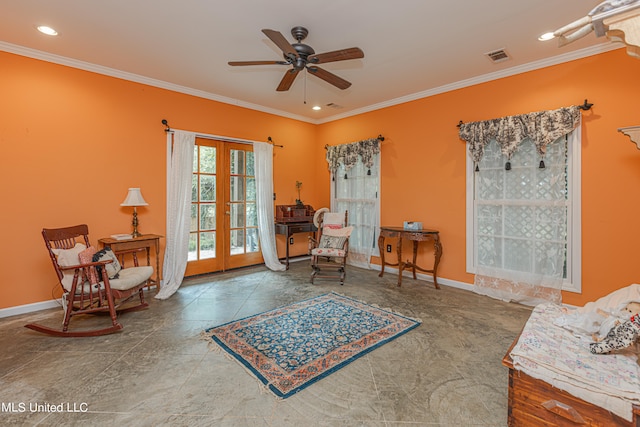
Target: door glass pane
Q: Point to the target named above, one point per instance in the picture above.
(237, 215)
(207, 159)
(237, 162)
(194, 188)
(250, 164)
(237, 189)
(207, 245)
(237, 242)
(252, 240)
(252, 215)
(193, 247)
(251, 188)
(207, 188)
(208, 217)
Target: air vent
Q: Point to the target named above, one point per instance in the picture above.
(499, 55)
(333, 105)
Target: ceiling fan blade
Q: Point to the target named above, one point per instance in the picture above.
(328, 77)
(281, 42)
(287, 80)
(336, 55)
(236, 63)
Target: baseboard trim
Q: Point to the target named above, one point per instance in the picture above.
(28, 308)
(426, 277)
(44, 305)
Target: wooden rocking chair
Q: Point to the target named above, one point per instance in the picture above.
(330, 250)
(90, 286)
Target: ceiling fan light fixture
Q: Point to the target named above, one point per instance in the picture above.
(316, 108)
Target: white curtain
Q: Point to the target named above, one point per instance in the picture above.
(356, 190)
(180, 169)
(521, 223)
(263, 154)
(521, 206)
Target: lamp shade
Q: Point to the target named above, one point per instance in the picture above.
(134, 198)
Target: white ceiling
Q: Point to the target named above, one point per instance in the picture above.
(413, 48)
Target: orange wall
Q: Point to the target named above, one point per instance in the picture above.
(74, 141)
(423, 161)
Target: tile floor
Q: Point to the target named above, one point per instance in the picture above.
(158, 370)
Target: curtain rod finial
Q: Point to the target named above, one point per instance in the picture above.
(270, 141)
(586, 106)
(166, 123)
(381, 138)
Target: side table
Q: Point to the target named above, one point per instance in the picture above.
(416, 236)
(144, 242)
(290, 228)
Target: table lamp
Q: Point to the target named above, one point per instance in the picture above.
(135, 199)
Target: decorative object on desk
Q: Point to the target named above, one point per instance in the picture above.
(292, 347)
(412, 225)
(134, 198)
(299, 203)
(294, 213)
(122, 236)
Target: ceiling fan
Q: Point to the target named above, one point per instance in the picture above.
(302, 56)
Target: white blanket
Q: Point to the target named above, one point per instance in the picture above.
(560, 358)
(598, 317)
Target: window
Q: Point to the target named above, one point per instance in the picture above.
(357, 191)
(516, 216)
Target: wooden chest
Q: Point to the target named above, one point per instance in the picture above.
(535, 403)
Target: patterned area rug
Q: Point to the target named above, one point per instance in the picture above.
(292, 347)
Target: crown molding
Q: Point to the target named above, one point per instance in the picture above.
(61, 60)
(531, 66)
(112, 72)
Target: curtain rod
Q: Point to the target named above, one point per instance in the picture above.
(221, 138)
(586, 106)
(380, 138)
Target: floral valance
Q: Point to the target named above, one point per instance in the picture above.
(347, 154)
(542, 128)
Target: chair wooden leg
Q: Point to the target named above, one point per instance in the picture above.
(67, 313)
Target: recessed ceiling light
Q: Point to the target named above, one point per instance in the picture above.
(546, 36)
(317, 107)
(47, 30)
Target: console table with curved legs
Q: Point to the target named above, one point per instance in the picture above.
(416, 236)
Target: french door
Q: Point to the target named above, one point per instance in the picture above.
(224, 217)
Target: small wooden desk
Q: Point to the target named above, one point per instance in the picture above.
(416, 236)
(146, 241)
(290, 228)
